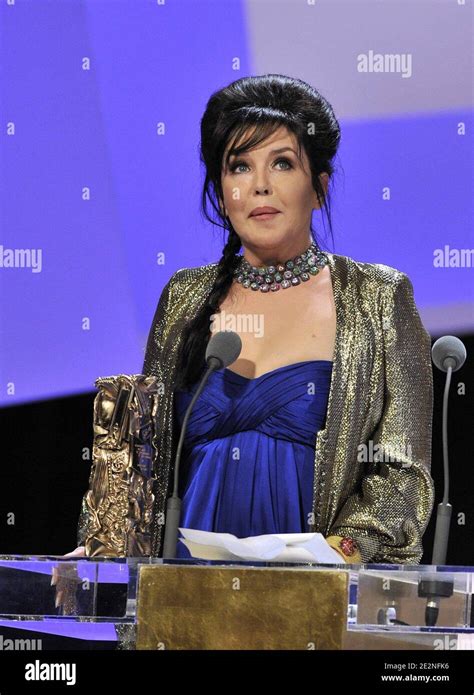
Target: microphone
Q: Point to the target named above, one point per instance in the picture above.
(448, 351)
(223, 349)
(448, 354)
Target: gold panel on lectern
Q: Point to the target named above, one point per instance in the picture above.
(222, 607)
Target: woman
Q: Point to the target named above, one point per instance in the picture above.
(323, 423)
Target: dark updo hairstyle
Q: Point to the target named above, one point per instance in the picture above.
(262, 104)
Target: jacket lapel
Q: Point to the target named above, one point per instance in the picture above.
(326, 439)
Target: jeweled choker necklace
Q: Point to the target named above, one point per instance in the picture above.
(281, 275)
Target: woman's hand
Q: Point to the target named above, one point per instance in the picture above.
(346, 548)
(61, 577)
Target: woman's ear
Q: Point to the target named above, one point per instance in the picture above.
(324, 179)
(222, 207)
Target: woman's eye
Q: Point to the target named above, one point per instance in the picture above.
(236, 165)
(285, 161)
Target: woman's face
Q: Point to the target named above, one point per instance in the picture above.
(262, 177)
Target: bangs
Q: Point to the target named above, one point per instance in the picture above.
(250, 133)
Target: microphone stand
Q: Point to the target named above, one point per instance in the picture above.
(173, 504)
(434, 589)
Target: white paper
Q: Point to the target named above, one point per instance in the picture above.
(278, 547)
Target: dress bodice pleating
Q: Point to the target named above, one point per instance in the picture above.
(247, 464)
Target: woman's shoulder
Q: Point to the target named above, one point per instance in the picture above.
(197, 277)
(197, 272)
(365, 272)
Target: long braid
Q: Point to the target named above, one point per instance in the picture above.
(192, 355)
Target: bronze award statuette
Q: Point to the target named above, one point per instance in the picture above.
(120, 497)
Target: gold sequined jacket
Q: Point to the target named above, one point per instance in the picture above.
(372, 460)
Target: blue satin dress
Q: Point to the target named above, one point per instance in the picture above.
(247, 463)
